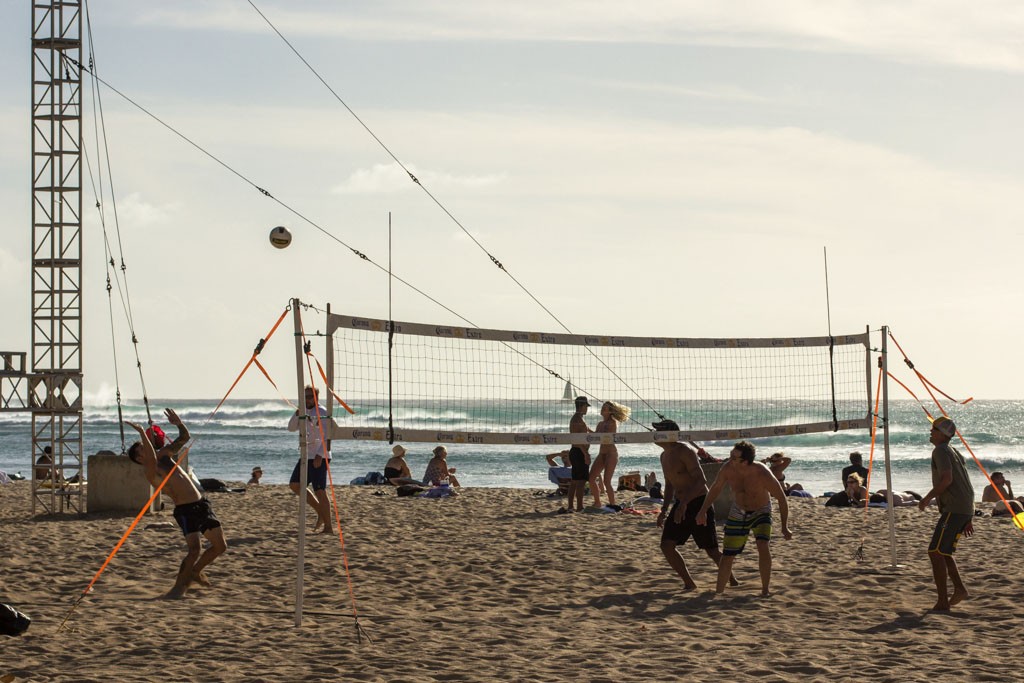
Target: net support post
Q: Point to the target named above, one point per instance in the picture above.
(889, 509)
(303, 466)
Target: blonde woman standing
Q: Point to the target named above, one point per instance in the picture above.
(603, 469)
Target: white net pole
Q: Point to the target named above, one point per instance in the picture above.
(300, 381)
(890, 512)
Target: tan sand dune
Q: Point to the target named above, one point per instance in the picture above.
(492, 585)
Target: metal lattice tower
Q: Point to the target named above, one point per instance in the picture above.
(55, 384)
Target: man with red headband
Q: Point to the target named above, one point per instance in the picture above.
(192, 511)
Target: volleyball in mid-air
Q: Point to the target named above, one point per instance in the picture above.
(280, 237)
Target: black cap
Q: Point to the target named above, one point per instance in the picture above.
(665, 426)
(582, 401)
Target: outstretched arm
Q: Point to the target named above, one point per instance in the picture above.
(716, 488)
(183, 435)
(147, 456)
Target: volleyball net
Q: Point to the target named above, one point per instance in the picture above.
(415, 382)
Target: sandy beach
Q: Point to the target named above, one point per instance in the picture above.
(493, 585)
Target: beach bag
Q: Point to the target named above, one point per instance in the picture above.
(629, 481)
(214, 485)
(375, 478)
(12, 622)
(655, 491)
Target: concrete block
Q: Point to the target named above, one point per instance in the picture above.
(117, 483)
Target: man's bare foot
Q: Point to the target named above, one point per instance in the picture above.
(689, 588)
(327, 530)
(175, 593)
(201, 579)
(958, 597)
(733, 582)
(941, 607)
(766, 593)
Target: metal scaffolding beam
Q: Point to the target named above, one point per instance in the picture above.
(54, 387)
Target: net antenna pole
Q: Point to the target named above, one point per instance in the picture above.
(831, 347)
(391, 343)
(890, 513)
(303, 465)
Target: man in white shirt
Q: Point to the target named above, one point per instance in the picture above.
(318, 426)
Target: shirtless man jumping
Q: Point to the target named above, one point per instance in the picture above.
(192, 512)
(685, 490)
(753, 487)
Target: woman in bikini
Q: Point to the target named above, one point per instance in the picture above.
(603, 469)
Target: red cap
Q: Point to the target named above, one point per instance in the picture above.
(156, 436)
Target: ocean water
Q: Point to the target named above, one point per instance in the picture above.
(246, 433)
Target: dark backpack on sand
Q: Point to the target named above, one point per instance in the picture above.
(12, 622)
(213, 485)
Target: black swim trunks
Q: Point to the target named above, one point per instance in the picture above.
(196, 517)
(578, 460)
(706, 537)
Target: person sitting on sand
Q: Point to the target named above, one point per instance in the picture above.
(396, 471)
(852, 496)
(192, 511)
(653, 486)
(560, 474)
(1001, 485)
(438, 472)
(777, 463)
(44, 463)
(753, 487)
(254, 480)
(856, 466)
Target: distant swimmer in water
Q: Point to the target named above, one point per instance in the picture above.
(192, 512)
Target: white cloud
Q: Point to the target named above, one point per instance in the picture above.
(981, 34)
(383, 178)
(134, 210)
(721, 93)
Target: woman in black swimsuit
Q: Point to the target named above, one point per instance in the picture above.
(396, 471)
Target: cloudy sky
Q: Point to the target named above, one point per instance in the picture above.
(662, 168)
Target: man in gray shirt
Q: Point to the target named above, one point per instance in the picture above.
(952, 487)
